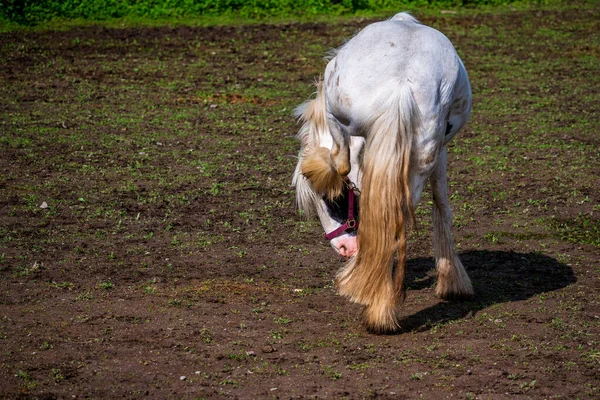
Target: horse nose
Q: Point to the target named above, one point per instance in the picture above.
(346, 246)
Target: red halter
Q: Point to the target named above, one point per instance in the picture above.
(351, 223)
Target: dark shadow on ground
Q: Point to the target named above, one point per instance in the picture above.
(497, 276)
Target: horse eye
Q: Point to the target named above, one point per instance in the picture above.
(337, 209)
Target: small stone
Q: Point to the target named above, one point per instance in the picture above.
(183, 378)
(268, 349)
(44, 205)
(469, 372)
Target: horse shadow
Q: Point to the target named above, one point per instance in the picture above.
(497, 277)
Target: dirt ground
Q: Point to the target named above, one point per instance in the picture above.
(149, 245)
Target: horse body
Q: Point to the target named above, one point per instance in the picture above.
(391, 99)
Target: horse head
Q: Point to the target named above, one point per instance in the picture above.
(321, 189)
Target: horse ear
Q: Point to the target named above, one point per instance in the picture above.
(317, 166)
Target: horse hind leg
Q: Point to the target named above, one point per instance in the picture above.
(452, 281)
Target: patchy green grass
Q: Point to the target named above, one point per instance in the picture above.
(148, 223)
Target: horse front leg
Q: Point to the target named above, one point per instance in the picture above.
(452, 281)
(340, 151)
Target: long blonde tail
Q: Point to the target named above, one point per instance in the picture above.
(369, 278)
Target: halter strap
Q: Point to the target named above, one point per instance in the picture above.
(351, 223)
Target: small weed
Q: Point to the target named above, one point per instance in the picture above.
(29, 271)
(305, 346)
(26, 380)
(46, 346)
(206, 336)
(187, 349)
(84, 296)
(592, 390)
(528, 385)
(238, 356)
(280, 371)
(215, 189)
(23, 375)
(260, 309)
(282, 320)
(175, 302)
(56, 375)
(63, 285)
(557, 323)
(359, 366)
(237, 251)
(331, 373)
(592, 355)
(149, 289)
(106, 285)
(491, 237)
(277, 334)
(582, 230)
(417, 376)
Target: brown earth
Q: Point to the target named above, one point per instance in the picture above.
(170, 262)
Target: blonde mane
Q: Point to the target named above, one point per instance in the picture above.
(315, 175)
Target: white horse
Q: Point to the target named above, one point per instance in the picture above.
(390, 101)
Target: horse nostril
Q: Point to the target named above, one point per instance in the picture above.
(343, 250)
